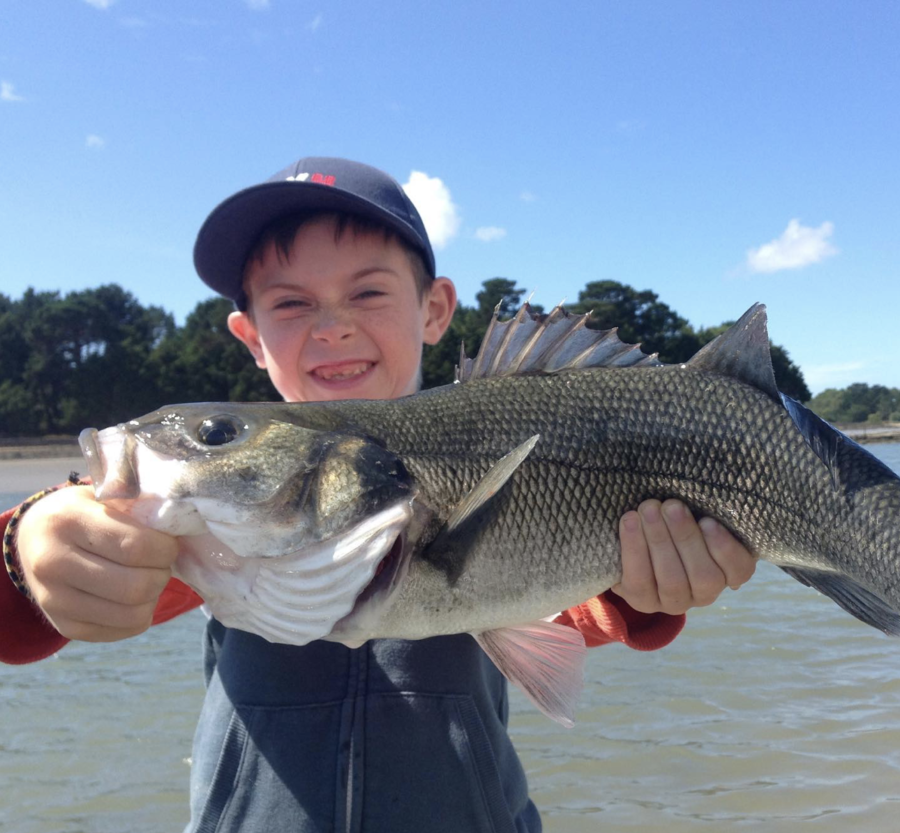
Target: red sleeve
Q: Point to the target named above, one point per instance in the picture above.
(609, 618)
(26, 636)
(176, 599)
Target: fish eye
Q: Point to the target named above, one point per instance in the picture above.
(219, 430)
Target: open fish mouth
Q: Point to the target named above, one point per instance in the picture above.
(110, 461)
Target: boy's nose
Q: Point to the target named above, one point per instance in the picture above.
(332, 326)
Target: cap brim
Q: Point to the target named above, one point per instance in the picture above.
(232, 229)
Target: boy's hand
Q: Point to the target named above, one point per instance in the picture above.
(671, 563)
(95, 573)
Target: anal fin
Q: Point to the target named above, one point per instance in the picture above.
(545, 660)
(852, 597)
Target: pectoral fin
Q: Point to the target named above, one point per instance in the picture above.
(545, 660)
(491, 483)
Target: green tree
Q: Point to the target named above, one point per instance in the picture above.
(98, 357)
(858, 403)
(76, 360)
(788, 376)
(467, 328)
(203, 362)
(496, 292)
(107, 339)
(641, 318)
(16, 416)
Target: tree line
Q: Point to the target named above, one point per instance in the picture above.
(99, 357)
(858, 403)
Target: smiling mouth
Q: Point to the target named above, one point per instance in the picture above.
(342, 372)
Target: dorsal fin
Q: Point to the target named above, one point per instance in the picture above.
(742, 352)
(547, 343)
(559, 340)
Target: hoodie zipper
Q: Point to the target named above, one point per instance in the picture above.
(349, 806)
(356, 697)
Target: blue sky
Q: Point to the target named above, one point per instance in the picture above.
(716, 153)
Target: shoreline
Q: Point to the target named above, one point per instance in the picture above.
(881, 433)
(40, 451)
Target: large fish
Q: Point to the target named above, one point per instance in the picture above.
(488, 505)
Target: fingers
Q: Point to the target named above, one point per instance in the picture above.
(638, 585)
(670, 563)
(704, 578)
(99, 620)
(93, 527)
(95, 573)
(732, 557)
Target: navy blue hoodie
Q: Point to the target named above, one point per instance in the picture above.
(391, 737)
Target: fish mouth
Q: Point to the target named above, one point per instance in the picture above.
(87, 442)
(109, 457)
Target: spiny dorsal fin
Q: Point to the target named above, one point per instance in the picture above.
(742, 352)
(559, 340)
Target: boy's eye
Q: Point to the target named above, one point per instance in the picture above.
(289, 303)
(369, 293)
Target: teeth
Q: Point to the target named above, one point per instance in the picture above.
(342, 373)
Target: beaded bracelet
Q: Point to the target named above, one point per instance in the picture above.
(10, 556)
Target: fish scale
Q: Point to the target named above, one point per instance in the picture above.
(608, 440)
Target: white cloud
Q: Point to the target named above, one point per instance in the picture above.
(95, 142)
(798, 246)
(488, 234)
(315, 23)
(433, 201)
(256, 5)
(527, 196)
(8, 92)
(103, 5)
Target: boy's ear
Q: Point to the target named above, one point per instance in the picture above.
(439, 303)
(243, 329)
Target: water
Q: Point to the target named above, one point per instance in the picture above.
(774, 708)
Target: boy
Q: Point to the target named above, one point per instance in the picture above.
(334, 281)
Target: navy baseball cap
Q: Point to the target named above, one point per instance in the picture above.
(315, 183)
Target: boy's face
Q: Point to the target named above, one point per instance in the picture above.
(340, 319)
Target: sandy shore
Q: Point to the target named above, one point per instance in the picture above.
(872, 433)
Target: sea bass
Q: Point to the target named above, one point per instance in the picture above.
(487, 506)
